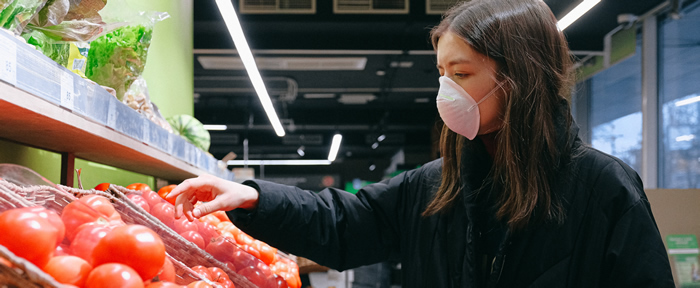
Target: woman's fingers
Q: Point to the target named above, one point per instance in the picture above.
(183, 187)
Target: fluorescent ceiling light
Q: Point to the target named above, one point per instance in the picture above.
(214, 127)
(286, 63)
(576, 13)
(335, 146)
(688, 101)
(685, 138)
(278, 162)
(234, 28)
(319, 96)
(356, 99)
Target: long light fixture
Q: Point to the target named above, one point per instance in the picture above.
(688, 101)
(685, 138)
(572, 16)
(335, 146)
(234, 28)
(278, 162)
(214, 127)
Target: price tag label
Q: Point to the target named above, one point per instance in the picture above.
(8, 61)
(67, 90)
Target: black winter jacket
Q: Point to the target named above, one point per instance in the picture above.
(609, 237)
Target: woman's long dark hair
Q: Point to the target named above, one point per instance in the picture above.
(532, 56)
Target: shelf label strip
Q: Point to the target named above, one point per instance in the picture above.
(8, 61)
(67, 90)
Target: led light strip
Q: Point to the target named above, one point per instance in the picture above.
(234, 28)
(278, 162)
(576, 13)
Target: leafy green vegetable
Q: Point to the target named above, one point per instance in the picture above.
(192, 130)
(118, 58)
(17, 14)
(58, 52)
(4, 3)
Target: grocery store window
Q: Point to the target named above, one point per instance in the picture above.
(679, 92)
(615, 109)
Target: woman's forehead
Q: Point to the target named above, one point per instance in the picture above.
(453, 50)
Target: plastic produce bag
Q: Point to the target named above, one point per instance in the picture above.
(71, 20)
(58, 52)
(138, 99)
(119, 57)
(17, 14)
(192, 130)
(52, 13)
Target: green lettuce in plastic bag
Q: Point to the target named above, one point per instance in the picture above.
(18, 13)
(118, 58)
(58, 52)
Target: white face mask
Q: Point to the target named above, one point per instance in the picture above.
(458, 109)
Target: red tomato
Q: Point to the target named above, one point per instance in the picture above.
(264, 269)
(195, 238)
(168, 271)
(199, 284)
(226, 284)
(280, 282)
(223, 225)
(202, 271)
(152, 198)
(86, 239)
(207, 231)
(242, 259)
(75, 214)
(267, 254)
(103, 205)
(61, 250)
(221, 249)
(244, 239)
(68, 270)
(217, 274)
(50, 216)
(292, 281)
(221, 215)
(163, 284)
(251, 250)
(163, 192)
(133, 245)
(140, 201)
(113, 275)
(211, 219)
(183, 224)
(102, 186)
(28, 235)
(139, 187)
(165, 212)
(231, 266)
(254, 275)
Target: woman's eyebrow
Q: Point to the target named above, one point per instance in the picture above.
(455, 62)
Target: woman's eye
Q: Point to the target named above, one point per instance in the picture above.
(460, 75)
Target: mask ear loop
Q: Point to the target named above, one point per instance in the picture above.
(498, 85)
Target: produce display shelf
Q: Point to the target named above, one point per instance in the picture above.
(44, 105)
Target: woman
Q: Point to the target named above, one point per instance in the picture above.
(516, 199)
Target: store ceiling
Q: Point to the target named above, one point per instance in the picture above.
(362, 75)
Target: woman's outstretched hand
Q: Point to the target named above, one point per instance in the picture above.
(216, 193)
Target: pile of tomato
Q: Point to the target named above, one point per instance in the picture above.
(87, 245)
(214, 233)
